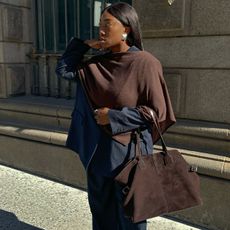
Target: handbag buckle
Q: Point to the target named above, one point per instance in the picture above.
(125, 190)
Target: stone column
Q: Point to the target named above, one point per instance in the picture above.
(15, 44)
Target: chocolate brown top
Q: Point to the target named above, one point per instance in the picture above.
(128, 79)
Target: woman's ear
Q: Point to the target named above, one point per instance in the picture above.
(127, 29)
(125, 33)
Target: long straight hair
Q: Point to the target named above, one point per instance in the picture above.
(127, 15)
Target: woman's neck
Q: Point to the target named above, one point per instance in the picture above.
(122, 47)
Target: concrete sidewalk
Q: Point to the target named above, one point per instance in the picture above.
(29, 202)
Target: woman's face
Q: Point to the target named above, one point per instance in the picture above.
(110, 32)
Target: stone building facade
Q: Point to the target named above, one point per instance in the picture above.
(191, 38)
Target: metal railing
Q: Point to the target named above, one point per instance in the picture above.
(57, 21)
(44, 81)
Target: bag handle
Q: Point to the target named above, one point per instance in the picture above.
(158, 130)
(136, 134)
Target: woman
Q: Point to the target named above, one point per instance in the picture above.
(111, 89)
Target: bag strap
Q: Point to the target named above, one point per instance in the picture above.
(164, 148)
(138, 151)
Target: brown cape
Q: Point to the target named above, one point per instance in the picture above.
(128, 79)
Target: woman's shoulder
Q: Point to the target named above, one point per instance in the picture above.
(98, 56)
(143, 54)
(145, 57)
(139, 58)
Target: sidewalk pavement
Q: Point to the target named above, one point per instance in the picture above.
(28, 202)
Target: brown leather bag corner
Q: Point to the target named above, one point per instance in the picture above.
(158, 183)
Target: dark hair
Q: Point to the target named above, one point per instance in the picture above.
(127, 15)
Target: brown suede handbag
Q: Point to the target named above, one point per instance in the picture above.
(158, 183)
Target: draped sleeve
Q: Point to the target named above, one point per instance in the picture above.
(154, 94)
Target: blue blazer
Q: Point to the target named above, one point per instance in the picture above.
(97, 150)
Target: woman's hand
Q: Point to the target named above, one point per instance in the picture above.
(101, 116)
(96, 44)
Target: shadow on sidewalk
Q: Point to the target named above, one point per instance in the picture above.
(9, 221)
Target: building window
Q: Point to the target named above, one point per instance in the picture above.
(59, 20)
